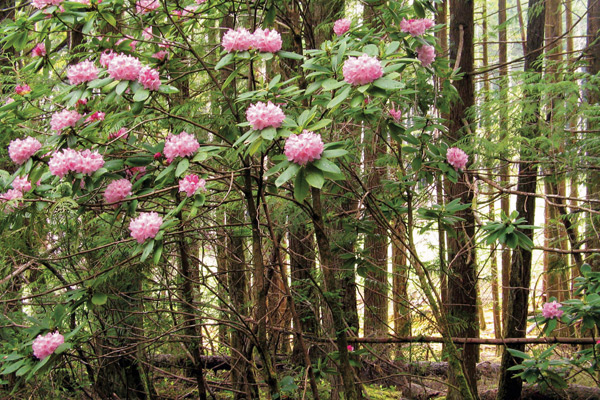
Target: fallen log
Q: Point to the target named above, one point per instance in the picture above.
(214, 363)
(534, 392)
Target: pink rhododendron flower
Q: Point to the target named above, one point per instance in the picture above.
(140, 171)
(457, 158)
(157, 155)
(21, 184)
(124, 67)
(63, 162)
(190, 184)
(64, 119)
(39, 4)
(261, 115)
(22, 89)
(81, 102)
(39, 50)
(182, 145)
(426, 54)
(149, 78)
(11, 194)
(45, 345)
(106, 57)
(341, 26)
(145, 226)
(85, 2)
(350, 347)
(552, 310)
(145, 6)
(20, 150)
(160, 55)
(117, 191)
(238, 40)
(85, 71)
(118, 134)
(362, 70)
(303, 148)
(147, 33)
(266, 41)
(396, 114)
(96, 116)
(89, 162)
(416, 27)
(200, 1)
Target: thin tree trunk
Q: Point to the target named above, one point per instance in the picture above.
(510, 387)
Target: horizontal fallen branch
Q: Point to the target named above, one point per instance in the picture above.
(436, 339)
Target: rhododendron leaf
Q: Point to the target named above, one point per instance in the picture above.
(224, 61)
(199, 200)
(266, 56)
(110, 86)
(73, 97)
(274, 81)
(268, 133)
(327, 166)
(371, 50)
(165, 172)
(419, 10)
(147, 250)
(255, 146)
(313, 87)
(200, 156)
(358, 100)
(300, 187)
(157, 253)
(168, 89)
(13, 367)
(99, 299)
(137, 107)
(108, 17)
(342, 95)
(23, 370)
(334, 153)
(392, 47)
(289, 54)
(318, 125)
(287, 174)
(388, 84)
(138, 161)
(314, 177)
(340, 56)
(10, 106)
(114, 165)
(273, 170)
(141, 95)
(182, 166)
(121, 87)
(332, 84)
(245, 136)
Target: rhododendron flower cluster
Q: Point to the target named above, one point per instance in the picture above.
(416, 27)
(149, 78)
(106, 57)
(11, 194)
(426, 54)
(140, 171)
(303, 148)
(85, 71)
(190, 184)
(341, 26)
(39, 4)
(145, 226)
(45, 345)
(20, 150)
(160, 55)
(64, 119)
(21, 184)
(396, 114)
(118, 134)
(182, 145)
(552, 310)
(237, 40)
(124, 67)
(39, 50)
(266, 41)
(362, 70)
(67, 160)
(261, 115)
(145, 6)
(117, 190)
(457, 158)
(96, 116)
(22, 89)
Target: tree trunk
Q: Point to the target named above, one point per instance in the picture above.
(510, 387)
(462, 268)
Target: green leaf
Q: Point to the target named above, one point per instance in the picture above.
(332, 84)
(141, 95)
(300, 187)
(287, 174)
(157, 253)
(358, 100)
(326, 166)
(334, 153)
(99, 299)
(168, 89)
(99, 83)
(288, 54)
(318, 125)
(518, 354)
(109, 18)
(224, 61)
(273, 170)
(147, 250)
(63, 347)
(419, 11)
(314, 177)
(121, 87)
(343, 94)
(182, 166)
(268, 133)
(13, 367)
(388, 84)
